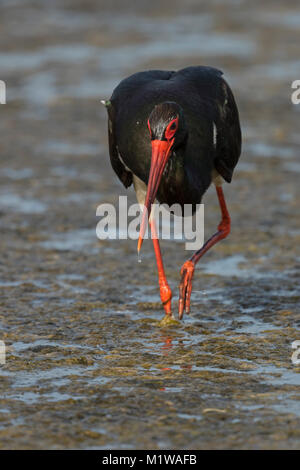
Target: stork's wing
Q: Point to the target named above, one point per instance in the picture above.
(210, 86)
(124, 175)
(124, 90)
(229, 138)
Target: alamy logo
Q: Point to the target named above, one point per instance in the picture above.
(295, 97)
(2, 352)
(296, 354)
(115, 224)
(2, 92)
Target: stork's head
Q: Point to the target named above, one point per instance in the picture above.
(166, 122)
(167, 131)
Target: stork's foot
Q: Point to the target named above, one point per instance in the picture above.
(166, 296)
(168, 320)
(185, 288)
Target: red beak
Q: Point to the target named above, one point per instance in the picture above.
(160, 154)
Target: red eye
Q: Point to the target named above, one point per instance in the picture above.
(171, 129)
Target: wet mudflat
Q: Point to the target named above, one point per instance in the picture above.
(87, 364)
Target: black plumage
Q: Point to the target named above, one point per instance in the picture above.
(205, 100)
(176, 132)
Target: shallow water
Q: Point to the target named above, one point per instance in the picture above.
(87, 363)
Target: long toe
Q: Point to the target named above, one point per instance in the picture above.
(185, 288)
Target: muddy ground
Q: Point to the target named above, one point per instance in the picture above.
(87, 364)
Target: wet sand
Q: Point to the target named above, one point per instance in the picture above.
(87, 364)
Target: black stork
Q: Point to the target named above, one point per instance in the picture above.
(172, 134)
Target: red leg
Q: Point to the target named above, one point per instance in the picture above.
(165, 291)
(187, 270)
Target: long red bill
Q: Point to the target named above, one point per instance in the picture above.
(160, 154)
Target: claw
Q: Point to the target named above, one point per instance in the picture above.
(185, 288)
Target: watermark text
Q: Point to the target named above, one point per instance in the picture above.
(2, 353)
(2, 92)
(172, 222)
(295, 97)
(296, 354)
